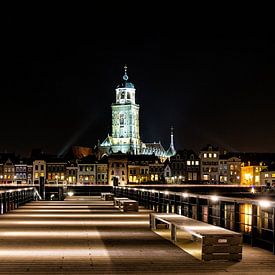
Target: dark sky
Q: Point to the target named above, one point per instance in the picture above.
(213, 81)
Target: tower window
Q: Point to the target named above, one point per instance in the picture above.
(121, 119)
(128, 96)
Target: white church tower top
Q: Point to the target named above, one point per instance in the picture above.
(125, 92)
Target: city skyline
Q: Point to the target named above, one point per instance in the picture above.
(213, 87)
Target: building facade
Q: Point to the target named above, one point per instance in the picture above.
(39, 170)
(230, 170)
(250, 174)
(117, 169)
(21, 172)
(209, 157)
(267, 178)
(56, 171)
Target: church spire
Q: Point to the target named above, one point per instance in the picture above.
(125, 77)
(172, 138)
(171, 151)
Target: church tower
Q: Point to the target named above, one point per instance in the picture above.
(125, 119)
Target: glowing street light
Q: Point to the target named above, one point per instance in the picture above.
(264, 203)
(214, 198)
(70, 194)
(185, 195)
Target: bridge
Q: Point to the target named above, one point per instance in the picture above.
(84, 235)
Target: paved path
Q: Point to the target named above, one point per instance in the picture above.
(92, 237)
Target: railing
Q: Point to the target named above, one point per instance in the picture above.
(13, 198)
(254, 218)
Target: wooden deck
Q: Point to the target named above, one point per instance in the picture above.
(90, 236)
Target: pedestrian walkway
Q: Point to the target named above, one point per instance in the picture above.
(84, 235)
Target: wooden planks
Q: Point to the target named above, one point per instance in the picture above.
(115, 243)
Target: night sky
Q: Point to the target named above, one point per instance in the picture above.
(214, 82)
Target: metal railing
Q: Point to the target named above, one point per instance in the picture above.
(13, 198)
(254, 218)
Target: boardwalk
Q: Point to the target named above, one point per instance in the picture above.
(92, 237)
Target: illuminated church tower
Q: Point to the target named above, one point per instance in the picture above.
(125, 119)
(125, 136)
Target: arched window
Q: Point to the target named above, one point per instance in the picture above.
(121, 119)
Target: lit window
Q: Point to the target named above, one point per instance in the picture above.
(205, 155)
(257, 179)
(273, 175)
(210, 155)
(36, 175)
(188, 162)
(205, 177)
(197, 162)
(266, 175)
(215, 155)
(121, 119)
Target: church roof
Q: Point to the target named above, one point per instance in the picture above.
(108, 141)
(126, 83)
(154, 148)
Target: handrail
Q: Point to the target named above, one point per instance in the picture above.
(18, 190)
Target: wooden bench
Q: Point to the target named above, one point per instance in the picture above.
(118, 200)
(204, 241)
(126, 204)
(107, 196)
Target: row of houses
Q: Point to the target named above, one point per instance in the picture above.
(210, 165)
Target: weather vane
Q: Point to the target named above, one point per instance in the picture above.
(125, 77)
